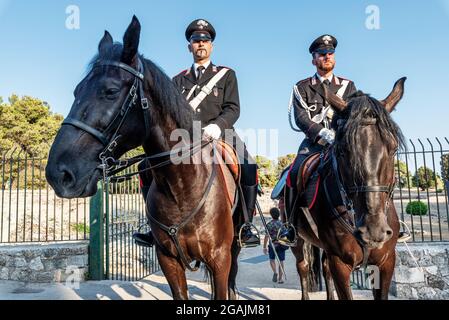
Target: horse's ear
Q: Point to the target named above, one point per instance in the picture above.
(131, 41)
(334, 100)
(105, 43)
(395, 96)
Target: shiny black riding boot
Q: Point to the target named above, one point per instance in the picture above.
(249, 239)
(144, 239)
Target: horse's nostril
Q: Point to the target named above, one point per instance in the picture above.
(67, 178)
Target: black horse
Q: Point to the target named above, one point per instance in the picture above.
(353, 218)
(124, 102)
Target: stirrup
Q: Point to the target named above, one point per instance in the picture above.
(404, 235)
(285, 241)
(248, 245)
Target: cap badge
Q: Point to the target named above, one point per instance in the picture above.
(202, 24)
(327, 39)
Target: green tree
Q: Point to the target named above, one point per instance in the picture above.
(445, 167)
(284, 161)
(267, 172)
(405, 178)
(27, 125)
(424, 178)
(27, 130)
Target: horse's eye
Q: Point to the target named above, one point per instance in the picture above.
(112, 92)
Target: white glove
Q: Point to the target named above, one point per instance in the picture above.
(212, 131)
(327, 135)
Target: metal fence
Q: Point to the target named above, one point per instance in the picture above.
(430, 187)
(29, 209)
(426, 186)
(125, 214)
(31, 212)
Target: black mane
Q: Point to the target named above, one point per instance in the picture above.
(361, 108)
(163, 91)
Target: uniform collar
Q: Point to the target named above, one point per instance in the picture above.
(205, 65)
(322, 79)
(316, 83)
(210, 71)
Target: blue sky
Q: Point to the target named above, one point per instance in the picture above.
(266, 42)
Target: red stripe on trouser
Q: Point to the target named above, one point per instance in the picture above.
(316, 193)
(140, 183)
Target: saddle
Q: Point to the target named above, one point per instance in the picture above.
(308, 168)
(230, 158)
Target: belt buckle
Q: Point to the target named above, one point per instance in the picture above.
(145, 104)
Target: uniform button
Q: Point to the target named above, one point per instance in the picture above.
(198, 110)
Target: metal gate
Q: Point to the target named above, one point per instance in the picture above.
(113, 223)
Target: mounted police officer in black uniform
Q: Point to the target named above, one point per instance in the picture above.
(313, 115)
(212, 92)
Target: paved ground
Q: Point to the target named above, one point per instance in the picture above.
(254, 283)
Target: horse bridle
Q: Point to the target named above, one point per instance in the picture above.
(353, 189)
(389, 189)
(110, 136)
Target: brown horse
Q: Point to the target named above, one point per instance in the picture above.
(127, 101)
(354, 219)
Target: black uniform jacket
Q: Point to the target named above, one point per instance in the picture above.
(308, 89)
(222, 106)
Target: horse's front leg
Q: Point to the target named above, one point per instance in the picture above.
(220, 267)
(341, 273)
(382, 278)
(175, 275)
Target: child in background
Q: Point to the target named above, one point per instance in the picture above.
(273, 227)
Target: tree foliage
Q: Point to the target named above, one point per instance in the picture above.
(28, 126)
(267, 172)
(425, 178)
(405, 178)
(27, 130)
(284, 161)
(445, 167)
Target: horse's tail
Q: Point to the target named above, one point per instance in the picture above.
(313, 257)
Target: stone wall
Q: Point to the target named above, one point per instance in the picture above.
(429, 280)
(44, 262)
